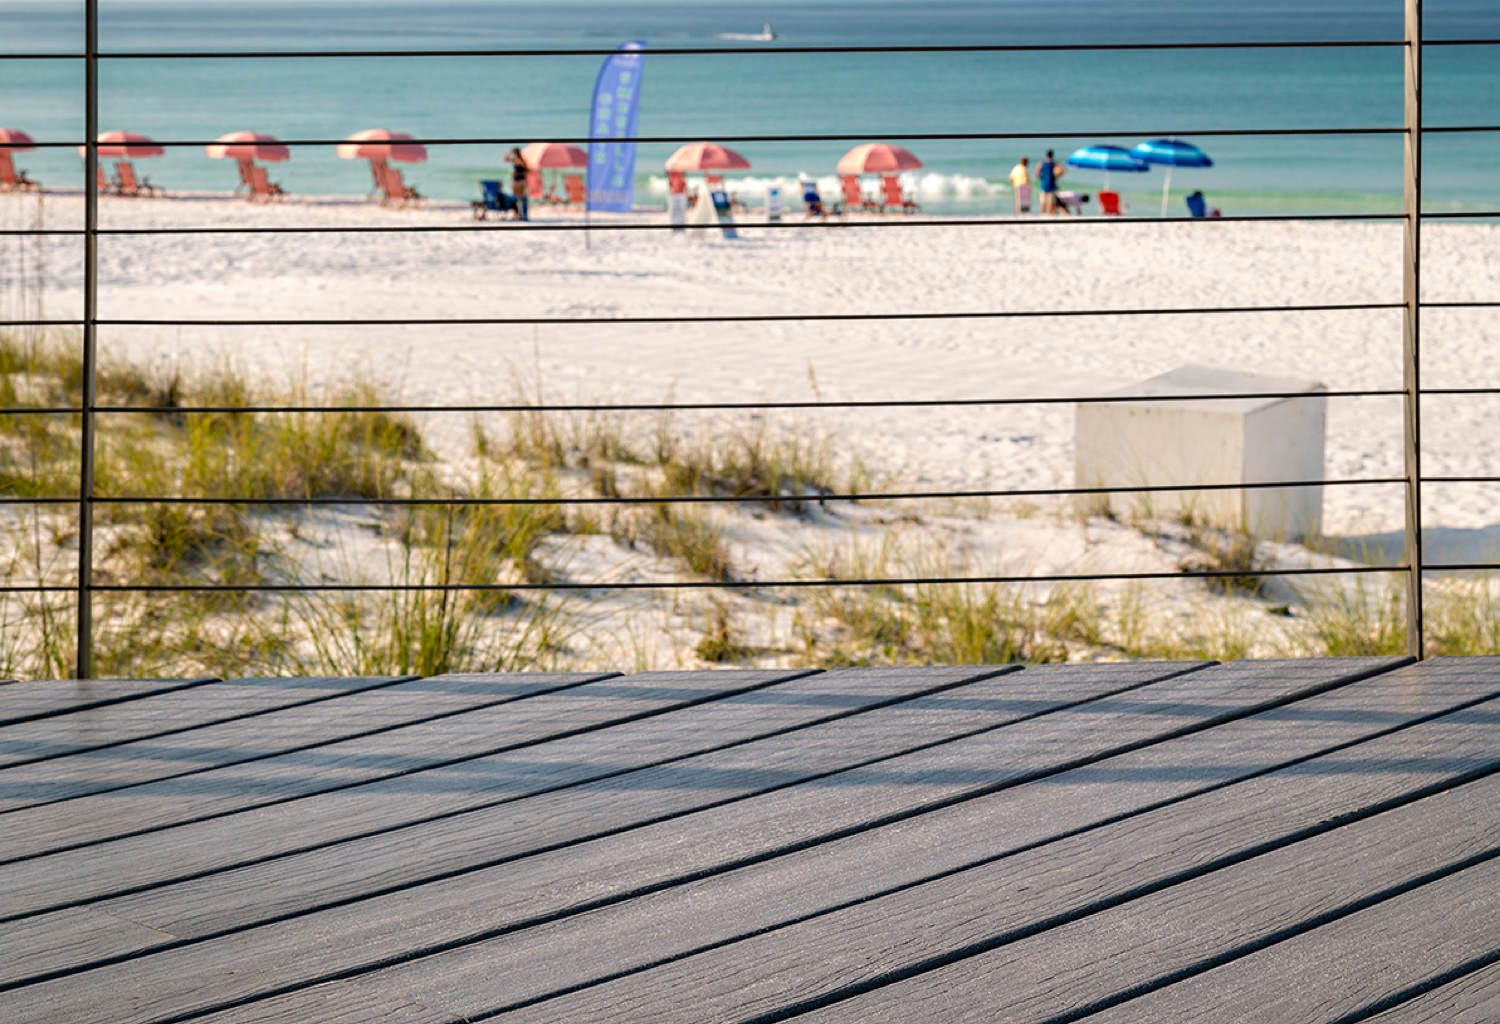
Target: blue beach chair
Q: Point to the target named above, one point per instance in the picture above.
(1198, 206)
(494, 201)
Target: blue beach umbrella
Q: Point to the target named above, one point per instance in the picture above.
(1107, 159)
(1171, 153)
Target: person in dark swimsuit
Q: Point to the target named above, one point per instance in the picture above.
(520, 181)
(1047, 173)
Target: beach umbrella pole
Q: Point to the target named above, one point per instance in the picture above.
(1166, 189)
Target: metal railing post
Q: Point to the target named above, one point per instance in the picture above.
(89, 397)
(1412, 326)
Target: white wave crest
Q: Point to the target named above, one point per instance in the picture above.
(923, 184)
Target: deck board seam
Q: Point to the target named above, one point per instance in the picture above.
(108, 701)
(205, 769)
(180, 730)
(1456, 973)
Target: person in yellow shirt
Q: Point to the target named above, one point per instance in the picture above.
(1020, 185)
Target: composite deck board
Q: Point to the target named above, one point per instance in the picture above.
(1471, 999)
(221, 844)
(454, 740)
(160, 715)
(24, 702)
(304, 949)
(774, 967)
(1356, 961)
(1103, 957)
(194, 754)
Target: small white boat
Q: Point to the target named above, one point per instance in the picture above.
(767, 34)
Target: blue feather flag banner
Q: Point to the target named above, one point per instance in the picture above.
(615, 115)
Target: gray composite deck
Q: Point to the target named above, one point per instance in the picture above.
(1280, 841)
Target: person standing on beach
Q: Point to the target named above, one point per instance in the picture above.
(1020, 184)
(520, 181)
(1047, 176)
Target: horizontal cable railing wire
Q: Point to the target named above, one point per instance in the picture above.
(610, 585)
(707, 318)
(741, 318)
(771, 584)
(672, 140)
(718, 51)
(788, 498)
(620, 226)
(730, 498)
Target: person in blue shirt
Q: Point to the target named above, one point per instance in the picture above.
(1047, 174)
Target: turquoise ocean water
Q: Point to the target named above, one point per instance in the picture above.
(725, 95)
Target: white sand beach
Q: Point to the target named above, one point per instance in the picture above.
(889, 266)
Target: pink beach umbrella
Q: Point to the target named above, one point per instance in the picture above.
(13, 140)
(878, 158)
(124, 146)
(706, 156)
(249, 146)
(381, 146)
(554, 156)
(246, 148)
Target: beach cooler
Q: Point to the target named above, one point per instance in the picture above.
(1150, 437)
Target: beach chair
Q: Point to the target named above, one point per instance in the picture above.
(854, 196)
(1110, 205)
(494, 201)
(1198, 207)
(260, 186)
(127, 184)
(577, 192)
(398, 191)
(106, 187)
(894, 198)
(536, 188)
(12, 180)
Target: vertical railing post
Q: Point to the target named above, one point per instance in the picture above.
(1412, 326)
(85, 664)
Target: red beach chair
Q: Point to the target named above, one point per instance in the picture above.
(890, 188)
(260, 185)
(12, 180)
(854, 196)
(1110, 205)
(577, 193)
(106, 187)
(535, 187)
(127, 184)
(397, 190)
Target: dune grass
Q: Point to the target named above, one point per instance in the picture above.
(492, 532)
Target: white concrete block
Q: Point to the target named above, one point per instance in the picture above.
(1143, 440)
